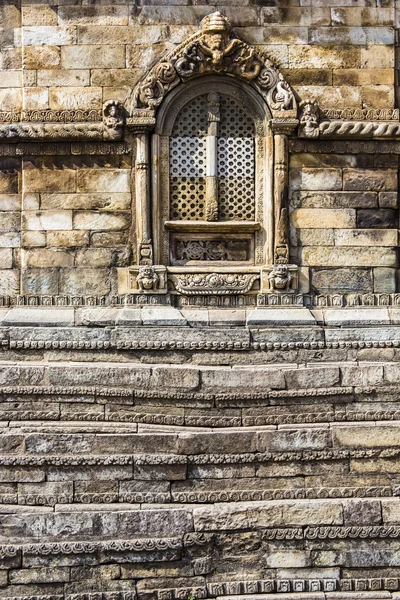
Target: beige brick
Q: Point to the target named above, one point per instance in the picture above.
(10, 239)
(11, 99)
(48, 36)
(63, 78)
(319, 218)
(8, 182)
(377, 57)
(39, 180)
(362, 16)
(360, 437)
(48, 219)
(30, 201)
(36, 98)
(94, 257)
(68, 238)
(366, 237)
(10, 79)
(95, 15)
(378, 96)
(93, 57)
(34, 239)
(105, 180)
(9, 202)
(363, 77)
(10, 221)
(39, 15)
(46, 257)
(291, 35)
(75, 97)
(6, 258)
(303, 77)
(328, 96)
(354, 256)
(294, 15)
(111, 35)
(9, 282)
(316, 179)
(313, 237)
(369, 180)
(115, 77)
(98, 201)
(325, 58)
(41, 57)
(9, 16)
(94, 221)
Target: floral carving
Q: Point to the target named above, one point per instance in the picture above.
(214, 283)
(214, 50)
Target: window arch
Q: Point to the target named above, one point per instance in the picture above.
(210, 144)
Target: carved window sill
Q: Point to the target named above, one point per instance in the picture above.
(213, 226)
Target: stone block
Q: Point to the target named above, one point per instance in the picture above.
(10, 240)
(93, 15)
(45, 493)
(37, 180)
(40, 317)
(342, 280)
(6, 258)
(365, 237)
(39, 281)
(67, 239)
(117, 34)
(160, 472)
(359, 436)
(63, 78)
(217, 442)
(39, 575)
(92, 57)
(312, 237)
(319, 218)
(277, 317)
(47, 257)
(223, 378)
(293, 440)
(316, 179)
(361, 375)
(104, 180)
(41, 57)
(100, 221)
(79, 201)
(175, 377)
(388, 199)
(9, 281)
(362, 512)
(134, 375)
(370, 180)
(84, 281)
(38, 15)
(357, 316)
(129, 317)
(384, 280)
(336, 57)
(48, 35)
(377, 219)
(36, 98)
(71, 98)
(49, 219)
(353, 256)
(315, 377)
(334, 199)
(243, 515)
(163, 316)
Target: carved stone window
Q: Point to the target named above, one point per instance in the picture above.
(212, 162)
(211, 121)
(210, 145)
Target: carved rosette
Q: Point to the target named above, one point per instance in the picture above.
(215, 49)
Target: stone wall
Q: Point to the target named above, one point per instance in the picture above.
(68, 212)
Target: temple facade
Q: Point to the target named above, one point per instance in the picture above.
(199, 300)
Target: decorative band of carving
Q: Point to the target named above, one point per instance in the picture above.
(213, 283)
(199, 459)
(88, 547)
(361, 129)
(51, 116)
(344, 147)
(361, 114)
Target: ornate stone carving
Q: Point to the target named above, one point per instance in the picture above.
(215, 49)
(280, 278)
(113, 119)
(213, 283)
(147, 279)
(309, 120)
(361, 114)
(144, 279)
(211, 250)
